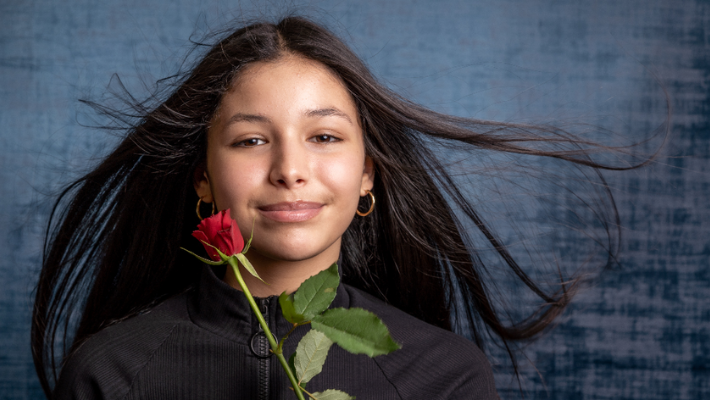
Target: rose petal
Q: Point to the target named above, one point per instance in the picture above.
(199, 235)
(224, 243)
(210, 226)
(227, 220)
(222, 232)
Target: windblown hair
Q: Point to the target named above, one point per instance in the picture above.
(116, 232)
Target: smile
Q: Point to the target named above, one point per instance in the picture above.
(297, 211)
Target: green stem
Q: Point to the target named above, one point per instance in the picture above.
(274, 346)
(283, 339)
(308, 393)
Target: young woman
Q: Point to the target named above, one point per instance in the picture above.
(284, 126)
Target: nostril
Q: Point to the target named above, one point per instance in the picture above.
(287, 177)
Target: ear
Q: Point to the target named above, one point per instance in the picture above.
(368, 176)
(201, 182)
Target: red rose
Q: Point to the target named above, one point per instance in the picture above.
(222, 232)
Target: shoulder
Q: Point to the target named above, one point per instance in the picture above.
(105, 365)
(432, 360)
(420, 336)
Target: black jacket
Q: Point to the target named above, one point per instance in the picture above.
(206, 344)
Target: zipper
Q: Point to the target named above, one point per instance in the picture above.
(262, 349)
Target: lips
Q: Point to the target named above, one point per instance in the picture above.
(297, 211)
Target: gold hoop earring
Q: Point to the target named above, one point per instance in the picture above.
(199, 201)
(372, 206)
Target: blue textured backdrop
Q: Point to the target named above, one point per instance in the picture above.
(642, 331)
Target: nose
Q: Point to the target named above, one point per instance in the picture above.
(289, 165)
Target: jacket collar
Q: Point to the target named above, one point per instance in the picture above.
(225, 311)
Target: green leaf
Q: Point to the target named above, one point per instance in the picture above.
(291, 365)
(293, 369)
(317, 292)
(246, 248)
(310, 355)
(332, 394)
(288, 309)
(356, 330)
(247, 265)
(204, 260)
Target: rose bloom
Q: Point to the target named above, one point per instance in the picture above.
(222, 232)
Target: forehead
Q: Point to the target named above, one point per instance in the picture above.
(295, 80)
(293, 64)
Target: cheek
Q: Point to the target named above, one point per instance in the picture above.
(232, 181)
(344, 176)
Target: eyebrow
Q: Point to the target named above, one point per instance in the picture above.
(239, 117)
(326, 112)
(320, 112)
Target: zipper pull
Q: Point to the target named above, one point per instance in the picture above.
(265, 310)
(259, 344)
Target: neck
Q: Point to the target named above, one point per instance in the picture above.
(281, 275)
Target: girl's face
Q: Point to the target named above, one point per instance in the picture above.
(285, 150)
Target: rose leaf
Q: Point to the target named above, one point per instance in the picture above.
(317, 292)
(332, 394)
(310, 355)
(288, 309)
(356, 330)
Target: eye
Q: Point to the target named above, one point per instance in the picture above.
(251, 142)
(325, 138)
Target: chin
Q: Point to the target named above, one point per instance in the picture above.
(292, 252)
(288, 256)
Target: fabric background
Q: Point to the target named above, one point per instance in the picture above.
(640, 331)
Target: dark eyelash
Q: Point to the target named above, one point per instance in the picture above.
(330, 138)
(244, 143)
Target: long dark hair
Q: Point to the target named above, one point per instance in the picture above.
(116, 232)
